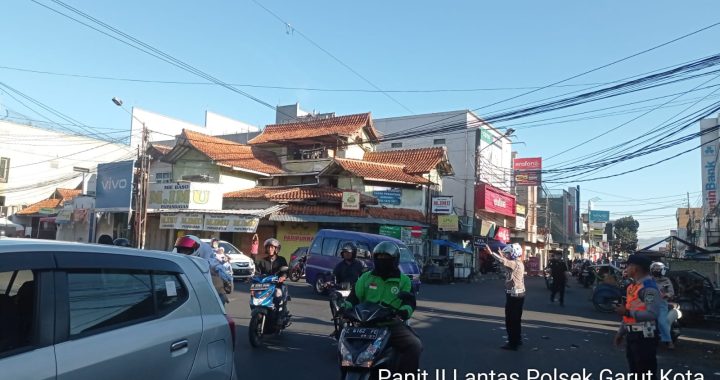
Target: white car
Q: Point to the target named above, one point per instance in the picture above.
(243, 266)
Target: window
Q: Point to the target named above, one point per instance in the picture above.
(102, 299)
(316, 246)
(310, 152)
(439, 142)
(163, 177)
(395, 145)
(330, 246)
(406, 256)
(4, 169)
(17, 310)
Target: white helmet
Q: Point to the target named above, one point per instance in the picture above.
(512, 251)
(658, 269)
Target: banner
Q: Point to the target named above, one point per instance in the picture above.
(597, 216)
(388, 197)
(502, 234)
(209, 222)
(350, 200)
(489, 198)
(710, 152)
(114, 185)
(442, 205)
(528, 171)
(185, 196)
(448, 222)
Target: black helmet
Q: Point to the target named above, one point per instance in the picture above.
(388, 248)
(122, 242)
(349, 247)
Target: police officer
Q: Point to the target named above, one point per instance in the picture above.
(558, 270)
(509, 257)
(640, 313)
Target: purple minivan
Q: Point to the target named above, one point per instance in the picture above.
(324, 255)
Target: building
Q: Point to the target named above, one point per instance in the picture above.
(689, 225)
(561, 219)
(34, 161)
(482, 161)
(40, 218)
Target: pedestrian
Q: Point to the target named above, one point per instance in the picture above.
(514, 292)
(667, 291)
(640, 313)
(558, 271)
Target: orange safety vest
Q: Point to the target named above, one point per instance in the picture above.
(633, 301)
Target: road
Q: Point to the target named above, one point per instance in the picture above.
(462, 327)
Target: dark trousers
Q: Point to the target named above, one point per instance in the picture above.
(408, 347)
(513, 317)
(559, 285)
(642, 353)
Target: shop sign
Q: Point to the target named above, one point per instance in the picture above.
(489, 198)
(597, 216)
(47, 211)
(520, 209)
(528, 171)
(448, 222)
(113, 185)
(190, 221)
(520, 222)
(209, 222)
(479, 241)
(502, 234)
(168, 221)
(64, 216)
(442, 205)
(185, 195)
(388, 197)
(391, 231)
(350, 200)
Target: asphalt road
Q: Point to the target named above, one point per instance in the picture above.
(462, 327)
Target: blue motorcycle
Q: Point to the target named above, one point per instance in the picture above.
(268, 314)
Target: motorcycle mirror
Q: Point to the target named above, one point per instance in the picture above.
(284, 269)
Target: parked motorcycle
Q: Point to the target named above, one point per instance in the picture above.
(364, 343)
(267, 315)
(297, 268)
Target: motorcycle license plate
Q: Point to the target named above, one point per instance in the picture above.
(259, 286)
(361, 333)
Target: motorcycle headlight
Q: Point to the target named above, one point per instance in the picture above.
(365, 359)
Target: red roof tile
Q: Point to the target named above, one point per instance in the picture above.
(369, 212)
(67, 194)
(35, 207)
(416, 161)
(295, 194)
(339, 125)
(230, 153)
(379, 171)
(163, 149)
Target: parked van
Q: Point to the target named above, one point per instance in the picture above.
(324, 255)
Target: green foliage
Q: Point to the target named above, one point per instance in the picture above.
(626, 234)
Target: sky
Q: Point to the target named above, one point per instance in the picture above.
(499, 49)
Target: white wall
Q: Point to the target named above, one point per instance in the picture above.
(42, 160)
(231, 183)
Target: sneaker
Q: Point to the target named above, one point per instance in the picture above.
(509, 347)
(670, 346)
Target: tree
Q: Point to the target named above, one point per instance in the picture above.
(626, 234)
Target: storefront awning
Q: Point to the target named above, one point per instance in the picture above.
(452, 245)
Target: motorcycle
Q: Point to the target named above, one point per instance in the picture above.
(587, 277)
(338, 295)
(267, 316)
(547, 273)
(674, 315)
(364, 344)
(297, 270)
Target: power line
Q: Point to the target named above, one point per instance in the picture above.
(331, 55)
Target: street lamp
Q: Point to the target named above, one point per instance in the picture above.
(142, 182)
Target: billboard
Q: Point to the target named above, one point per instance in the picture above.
(186, 196)
(389, 196)
(528, 171)
(114, 186)
(708, 161)
(448, 222)
(442, 205)
(597, 216)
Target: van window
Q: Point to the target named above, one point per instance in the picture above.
(406, 256)
(316, 246)
(17, 310)
(330, 246)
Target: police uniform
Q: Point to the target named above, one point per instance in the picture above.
(639, 325)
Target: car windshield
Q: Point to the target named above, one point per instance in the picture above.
(406, 256)
(229, 248)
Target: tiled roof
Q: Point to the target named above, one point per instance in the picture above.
(368, 212)
(163, 149)
(379, 172)
(230, 153)
(295, 194)
(66, 194)
(339, 125)
(416, 161)
(35, 207)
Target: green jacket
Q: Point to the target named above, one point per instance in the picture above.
(371, 288)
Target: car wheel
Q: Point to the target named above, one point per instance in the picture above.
(295, 275)
(320, 285)
(254, 330)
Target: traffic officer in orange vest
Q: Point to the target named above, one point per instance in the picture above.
(640, 313)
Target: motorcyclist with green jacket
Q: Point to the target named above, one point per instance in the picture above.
(386, 285)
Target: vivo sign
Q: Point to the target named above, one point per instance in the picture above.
(114, 186)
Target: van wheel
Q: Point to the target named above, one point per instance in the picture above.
(320, 286)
